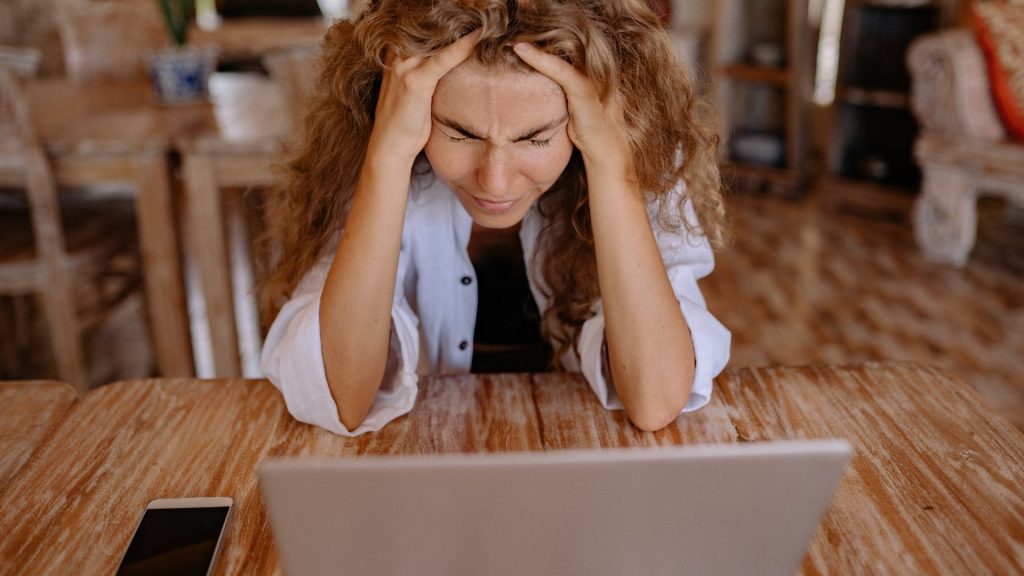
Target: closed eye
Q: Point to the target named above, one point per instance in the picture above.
(465, 134)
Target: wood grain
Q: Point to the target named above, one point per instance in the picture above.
(129, 442)
(29, 411)
(935, 483)
(933, 488)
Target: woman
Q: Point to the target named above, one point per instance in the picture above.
(496, 185)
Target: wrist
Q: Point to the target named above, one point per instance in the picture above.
(389, 156)
(610, 174)
(615, 162)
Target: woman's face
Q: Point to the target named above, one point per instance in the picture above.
(498, 139)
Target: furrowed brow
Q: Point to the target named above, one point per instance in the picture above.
(458, 127)
(537, 131)
(453, 125)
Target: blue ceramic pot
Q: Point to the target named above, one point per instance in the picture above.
(180, 75)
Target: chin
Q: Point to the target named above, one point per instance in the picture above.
(496, 222)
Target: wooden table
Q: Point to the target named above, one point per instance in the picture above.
(117, 134)
(248, 39)
(29, 412)
(934, 486)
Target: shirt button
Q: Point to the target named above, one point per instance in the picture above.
(463, 345)
(466, 280)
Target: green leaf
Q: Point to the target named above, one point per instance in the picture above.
(177, 16)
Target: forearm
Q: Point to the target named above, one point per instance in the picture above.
(650, 349)
(355, 308)
(649, 346)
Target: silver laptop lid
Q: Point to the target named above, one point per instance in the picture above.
(709, 510)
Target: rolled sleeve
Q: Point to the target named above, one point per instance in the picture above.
(293, 361)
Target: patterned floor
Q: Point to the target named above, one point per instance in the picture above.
(802, 284)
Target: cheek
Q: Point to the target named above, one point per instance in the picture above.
(447, 161)
(547, 164)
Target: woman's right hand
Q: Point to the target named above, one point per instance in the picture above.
(402, 123)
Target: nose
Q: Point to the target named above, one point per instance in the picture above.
(494, 172)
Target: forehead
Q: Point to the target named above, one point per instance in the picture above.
(472, 87)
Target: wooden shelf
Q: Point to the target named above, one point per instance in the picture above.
(758, 74)
(763, 98)
(773, 180)
(877, 98)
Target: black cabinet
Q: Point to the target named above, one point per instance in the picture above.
(871, 163)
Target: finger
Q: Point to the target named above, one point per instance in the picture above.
(564, 74)
(396, 63)
(454, 54)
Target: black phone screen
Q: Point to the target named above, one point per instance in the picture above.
(174, 541)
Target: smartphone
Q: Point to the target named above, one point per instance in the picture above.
(179, 536)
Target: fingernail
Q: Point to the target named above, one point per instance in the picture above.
(521, 47)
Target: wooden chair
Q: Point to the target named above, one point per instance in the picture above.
(22, 62)
(106, 39)
(77, 259)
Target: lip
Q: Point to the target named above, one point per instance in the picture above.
(492, 207)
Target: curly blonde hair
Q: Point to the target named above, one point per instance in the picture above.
(619, 44)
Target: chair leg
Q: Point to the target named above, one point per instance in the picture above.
(945, 215)
(62, 321)
(9, 367)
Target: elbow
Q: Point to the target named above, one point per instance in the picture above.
(653, 414)
(654, 391)
(654, 418)
(353, 385)
(658, 405)
(351, 419)
(353, 399)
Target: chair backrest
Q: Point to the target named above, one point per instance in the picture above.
(37, 260)
(15, 122)
(295, 70)
(107, 39)
(950, 91)
(23, 62)
(21, 147)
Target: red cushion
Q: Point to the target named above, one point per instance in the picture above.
(999, 26)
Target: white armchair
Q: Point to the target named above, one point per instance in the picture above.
(963, 149)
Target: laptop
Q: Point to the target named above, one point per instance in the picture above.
(709, 510)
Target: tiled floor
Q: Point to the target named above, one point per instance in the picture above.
(802, 285)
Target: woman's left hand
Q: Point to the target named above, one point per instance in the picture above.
(596, 128)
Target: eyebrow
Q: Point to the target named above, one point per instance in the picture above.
(456, 126)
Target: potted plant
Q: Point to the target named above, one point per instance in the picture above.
(180, 73)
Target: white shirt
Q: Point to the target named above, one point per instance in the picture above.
(434, 314)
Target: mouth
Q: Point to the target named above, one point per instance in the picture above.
(493, 207)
